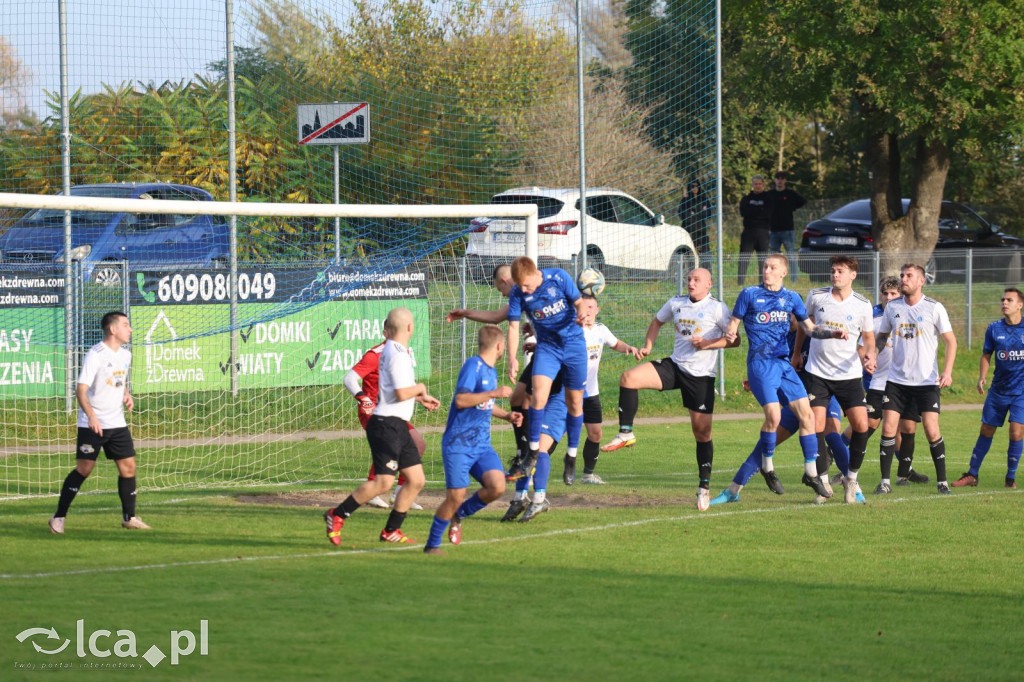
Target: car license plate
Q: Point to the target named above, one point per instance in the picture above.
(841, 241)
(509, 237)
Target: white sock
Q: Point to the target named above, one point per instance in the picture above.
(811, 468)
(766, 463)
(535, 445)
(522, 495)
(852, 476)
(571, 452)
(539, 496)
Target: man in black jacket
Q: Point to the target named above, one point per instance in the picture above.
(785, 201)
(756, 208)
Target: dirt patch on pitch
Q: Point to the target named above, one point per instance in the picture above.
(431, 499)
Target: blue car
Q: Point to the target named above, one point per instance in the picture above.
(100, 241)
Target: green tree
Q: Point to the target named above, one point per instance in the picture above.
(922, 79)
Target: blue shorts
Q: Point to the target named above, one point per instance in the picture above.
(792, 424)
(460, 464)
(997, 405)
(555, 414)
(570, 358)
(774, 381)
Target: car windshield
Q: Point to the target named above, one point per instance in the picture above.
(857, 210)
(50, 216)
(546, 206)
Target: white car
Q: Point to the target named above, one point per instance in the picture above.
(621, 233)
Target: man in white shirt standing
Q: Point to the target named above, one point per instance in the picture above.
(387, 432)
(916, 323)
(102, 398)
(835, 366)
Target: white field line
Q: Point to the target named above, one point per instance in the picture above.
(519, 538)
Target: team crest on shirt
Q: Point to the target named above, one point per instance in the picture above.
(552, 291)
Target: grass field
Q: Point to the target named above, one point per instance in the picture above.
(622, 582)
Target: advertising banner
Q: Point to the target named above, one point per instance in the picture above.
(31, 333)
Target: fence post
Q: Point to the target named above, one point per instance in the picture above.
(462, 304)
(970, 293)
(878, 276)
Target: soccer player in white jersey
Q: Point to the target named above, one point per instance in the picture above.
(916, 323)
(1005, 338)
(387, 432)
(700, 322)
(835, 366)
(103, 397)
(597, 337)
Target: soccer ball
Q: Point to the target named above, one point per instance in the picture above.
(591, 282)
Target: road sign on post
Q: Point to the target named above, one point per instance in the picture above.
(334, 123)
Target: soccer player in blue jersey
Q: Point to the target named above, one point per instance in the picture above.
(1004, 338)
(555, 306)
(765, 313)
(466, 445)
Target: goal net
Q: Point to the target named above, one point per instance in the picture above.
(230, 389)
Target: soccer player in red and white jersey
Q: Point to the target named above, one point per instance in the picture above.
(916, 323)
(362, 382)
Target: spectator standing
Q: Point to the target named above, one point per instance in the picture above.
(756, 209)
(785, 202)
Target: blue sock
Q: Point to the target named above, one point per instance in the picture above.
(536, 422)
(766, 443)
(749, 467)
(573, 427)
(840, 452)
(541, 474)
(523, 484)
(1013, 457)
(981, 448)
(437, 529)
(846, 439)
(472, 505)
(809, 445)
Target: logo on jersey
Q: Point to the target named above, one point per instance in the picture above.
(550, 310)
(1010, 355)
(773, 316)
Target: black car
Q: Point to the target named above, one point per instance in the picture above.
(848, 230)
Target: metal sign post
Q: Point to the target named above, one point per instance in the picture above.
(334, 124)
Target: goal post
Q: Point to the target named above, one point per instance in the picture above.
(301, 325)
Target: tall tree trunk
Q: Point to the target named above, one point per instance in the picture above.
(887, 221)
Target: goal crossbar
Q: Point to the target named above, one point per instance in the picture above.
(59, 202)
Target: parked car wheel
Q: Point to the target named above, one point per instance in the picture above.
(107, 275)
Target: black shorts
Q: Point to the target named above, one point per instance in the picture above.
(116, 444)
(592, 413)
(526, 377)
(848, 392)
(391, 445)
(876, 401)
(912, 401)
(698, 392)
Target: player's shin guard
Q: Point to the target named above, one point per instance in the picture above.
(542, 473)
(858, 450)
(938, 449)
(705, 456)
(886, 452)
(471, 506)
(981, 448)
(573, 428)
(1013, 453)
(72, 483)
(522, 432)
(629, 403)
(824, 455)
(749, 467)
(766, 443)
(126, 491)
(809, 446)
(906, 455)
(395, 521)
(591, 451)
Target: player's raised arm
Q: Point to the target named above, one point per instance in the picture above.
(512, 344)
(485, 316)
